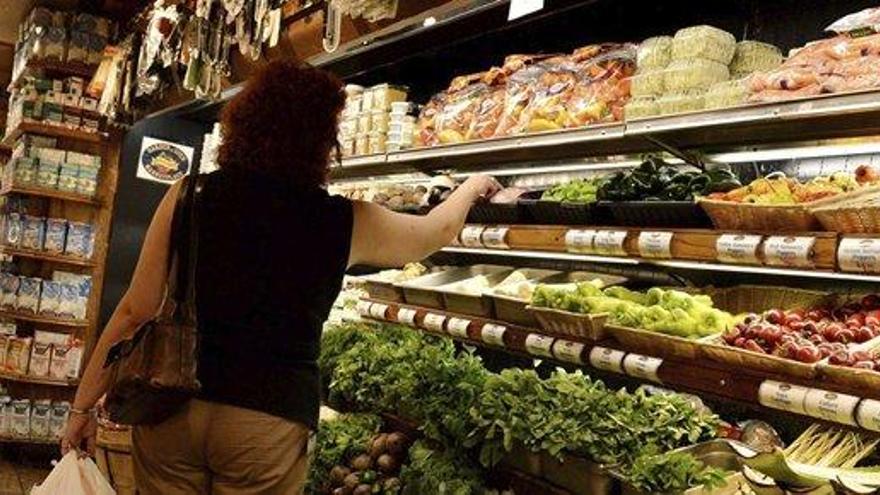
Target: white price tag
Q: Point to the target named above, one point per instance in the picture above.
(495, 237)
(471, 236)
(868, 414)
(568, 351)
(406, 316)
(784, 396)
(522, 8)
(458, 327)
(831, 406)
(610, 242)
(738, 248)
(655, 244)
(493, 334)
(607, 359)
(379, 311)
(363, 307)
(434, 322)
(644, 367)
(859, 255)
(789, 251)
(579, 241)
(539, 345)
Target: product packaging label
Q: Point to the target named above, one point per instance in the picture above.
(655, 244)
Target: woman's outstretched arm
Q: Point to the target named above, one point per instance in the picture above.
(383, 238)
(140, 303)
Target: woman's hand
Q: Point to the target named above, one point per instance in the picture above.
(481, 186)
(80, 433)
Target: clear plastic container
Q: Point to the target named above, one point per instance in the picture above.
(754, 56)
(353, 90)
(346, 147)
(641, 107)
(353, 105)
(688, 101)
(647, 84)
(386, 94)
(727, 94)
(398, 127)
(402, 108)
(348, 128)
(362, 144)
(686, 75)
(377, 142)
(379, 121)
(365, 123)
(705, 42)
(654, 53)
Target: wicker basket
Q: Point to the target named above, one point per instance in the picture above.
(654, 343)
(728, 215)
(854, 378)
(717, 350)
(858, 213)
(565, 323)
(759, 298)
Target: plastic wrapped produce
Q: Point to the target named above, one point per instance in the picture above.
(689, 101)
(727, 94)
(519, 93)
(641, 107)
(685, 75)
(703, 42)
(603, 84)
(546, 109)
(463, 97)
(647, 84)
(654, 53)
(754, 56)
(860, 23)
(490, 107)
(426, 134)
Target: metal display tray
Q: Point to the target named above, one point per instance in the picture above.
(422, 291)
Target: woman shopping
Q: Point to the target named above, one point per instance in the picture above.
(273, 248)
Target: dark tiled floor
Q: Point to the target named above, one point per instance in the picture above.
(21, 469)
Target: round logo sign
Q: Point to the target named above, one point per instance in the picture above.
(164, 161)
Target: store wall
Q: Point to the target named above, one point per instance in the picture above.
(136, 199)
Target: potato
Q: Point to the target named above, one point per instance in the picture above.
(362, 463)
(338, 474)
(397, 443)
(351, 481)
(363, 490)
(387, 464)
(379, 445)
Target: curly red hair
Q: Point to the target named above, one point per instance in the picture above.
(283, 123)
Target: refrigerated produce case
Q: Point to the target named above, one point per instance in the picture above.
(678, 268)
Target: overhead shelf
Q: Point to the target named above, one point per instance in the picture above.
(54, 68)
(52, 131)
(45, 320)
(829, 116)
(44, 256)
(49, 193)
(37, 380)
(750, 387)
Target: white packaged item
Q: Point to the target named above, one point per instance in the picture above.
(18, 355)
(67, 305)
(74, 476)
(56, 235)
(12, 230)
(28, 300)
(5, 415)
(74, 360)
(33, 232)
(50, 298)
(41, 356)
(41, 412)
(53, 338)
(20, 419)
(80, 239)
(60, 362)
(58, 420)
(9, 285)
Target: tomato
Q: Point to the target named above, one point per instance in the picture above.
(864, 334)
(856, 320)
(845, 336)
(808, 354)
(740, 342)
(753, 346)
(840, 358)
(775, 316)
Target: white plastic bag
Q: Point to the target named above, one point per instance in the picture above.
(74, 476)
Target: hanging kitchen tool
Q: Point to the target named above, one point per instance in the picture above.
(332, 27)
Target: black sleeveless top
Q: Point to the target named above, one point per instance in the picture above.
(270, 264)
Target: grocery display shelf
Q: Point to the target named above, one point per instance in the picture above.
(739, 384)
(37, 380)
(44, 256)
(52, 131)
(49, 193)
(823, 117)
(825, 255)
(54, 68)
(45, 320)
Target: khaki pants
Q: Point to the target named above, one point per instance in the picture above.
(210, 448)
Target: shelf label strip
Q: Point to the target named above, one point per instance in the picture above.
(796, 252)
(859, 255)
(831, 406)
(493, 334)
(539, 345)
(657, 245)
(606, 359)
(406, 316)
(738, 248)
(579, 241)
(784, 396)
(644, 367)
(568, 351)
(458, 327)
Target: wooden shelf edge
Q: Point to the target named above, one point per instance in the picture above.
(49, 193)
(30, 441)
(52, 131)
(37, 380)
(55, 68)
(43, 256)
(47, 320)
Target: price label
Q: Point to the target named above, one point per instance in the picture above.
(568, 351)
(434, 322)
(738, 248)
(363, 307)
(493, 334)
(458, 327)
(539, 345)
(868, 414)
(789, 251)
(495, 237)
(610, 242)
(522, 8)
(471, 236)
(831, 406)
(784, 396)
(607, 359)
(859, 255)
(655, 244)
(406, 316)
(579, 241)
(379, 311)
(644, 367)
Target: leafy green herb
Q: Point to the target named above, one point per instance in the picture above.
(446, 472)
(338, 441)
(673, 472)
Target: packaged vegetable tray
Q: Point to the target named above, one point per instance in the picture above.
(754, 56)
(693, 74)
(602, 88)
(453, 121)
(703, 42)
(647, 84)
(654, 53)
(727, 94)
(642, 107)
(682, 214)
(687, 101)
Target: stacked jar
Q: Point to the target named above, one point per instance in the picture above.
(348, 124)
(401, 126)
(367, 117)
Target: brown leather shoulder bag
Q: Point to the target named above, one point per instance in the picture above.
(155, 372)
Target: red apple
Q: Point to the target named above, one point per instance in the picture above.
(808, 354)
(753, 346)
(775, 316)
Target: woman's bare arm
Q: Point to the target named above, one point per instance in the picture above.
(140, 303)
(383, 238)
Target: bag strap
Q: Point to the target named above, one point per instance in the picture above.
(183, 248)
